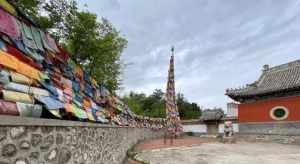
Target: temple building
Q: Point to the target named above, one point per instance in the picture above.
(272, 103)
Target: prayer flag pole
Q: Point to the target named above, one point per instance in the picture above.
(172, 115)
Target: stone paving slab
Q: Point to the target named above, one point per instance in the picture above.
(218, 153)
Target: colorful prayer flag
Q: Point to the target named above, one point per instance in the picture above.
(172, 115)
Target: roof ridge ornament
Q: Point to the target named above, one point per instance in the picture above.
(266, 67)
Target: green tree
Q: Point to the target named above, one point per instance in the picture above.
(186, 109)
(49, 14)
(134, 101)
(158, 94)
(60, 14)
(96, 45)
(29, 7)
(154, 105)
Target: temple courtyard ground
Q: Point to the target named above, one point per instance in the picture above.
(191, 150)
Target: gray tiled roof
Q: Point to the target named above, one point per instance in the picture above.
(211, 115)
(279, 78)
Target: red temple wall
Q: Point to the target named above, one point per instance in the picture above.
(260, 111)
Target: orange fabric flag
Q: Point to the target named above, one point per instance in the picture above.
(13, 63)
(69, 108)
(86, 103)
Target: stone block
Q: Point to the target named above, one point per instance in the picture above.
(46, 129)
(21, 161)
(17, 132)
(9, 150)
(52, 155)
(64, 156)
(47, 143)
(36, 139)
(59, 139)
(34, 155)
(3, 133)
(24, 145)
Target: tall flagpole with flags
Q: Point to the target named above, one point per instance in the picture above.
(172, 115)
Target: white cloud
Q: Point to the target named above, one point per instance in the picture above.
(219, 44)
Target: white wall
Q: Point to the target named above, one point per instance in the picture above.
(199, 128)
(235, 128)
(232, 110)
(202, 128)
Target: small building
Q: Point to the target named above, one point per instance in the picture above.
(212, 119)
(211, 122)
(270, 105)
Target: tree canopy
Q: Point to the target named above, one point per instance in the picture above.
(94, 43)
(154, 105)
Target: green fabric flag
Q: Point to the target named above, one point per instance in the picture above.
(33, 54)
(37, 38)
(28, 37)
(29, 110)
(43, 76)
(79, 112)
(71, 63)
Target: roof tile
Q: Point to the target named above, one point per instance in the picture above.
(278, 78)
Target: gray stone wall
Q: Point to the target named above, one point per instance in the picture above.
(283, 139)
(40, 141)
(278, 128)
(278, 132)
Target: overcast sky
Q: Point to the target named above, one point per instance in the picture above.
(219, 44)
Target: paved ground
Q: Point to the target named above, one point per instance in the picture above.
(161, 143)
(218, 153)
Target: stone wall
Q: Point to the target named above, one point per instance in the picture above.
(41, 141)
(196, 128)
(283, 139)
(280, 132)
(278, 128)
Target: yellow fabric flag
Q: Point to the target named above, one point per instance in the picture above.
(17, 97)
(19, 78)
(8, 7)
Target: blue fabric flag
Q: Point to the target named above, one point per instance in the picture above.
(50, 102)
(50, 88)
(75, 86)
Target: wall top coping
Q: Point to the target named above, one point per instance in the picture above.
(27, 121)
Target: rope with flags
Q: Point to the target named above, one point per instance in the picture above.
(172, 115)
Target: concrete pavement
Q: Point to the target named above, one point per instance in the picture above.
(219, 153)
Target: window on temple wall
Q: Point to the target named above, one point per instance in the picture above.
(279, 113)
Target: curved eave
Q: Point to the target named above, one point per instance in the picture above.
(239, 96)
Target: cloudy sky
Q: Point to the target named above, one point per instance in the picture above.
(218, 44)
